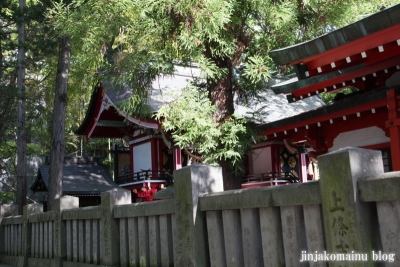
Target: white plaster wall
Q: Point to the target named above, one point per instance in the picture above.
(359, 138)
(142, 157)
(260, 160)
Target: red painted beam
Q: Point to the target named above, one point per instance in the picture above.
(347, 78)
(96, 114)
(327, 117)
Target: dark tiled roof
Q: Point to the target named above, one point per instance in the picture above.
(82, 176)
(349, 33)
(117, 93)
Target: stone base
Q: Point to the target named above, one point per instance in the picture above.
(78, 264)
(10, 260)
(35, 262)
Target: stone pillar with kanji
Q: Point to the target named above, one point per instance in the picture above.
(349, 224)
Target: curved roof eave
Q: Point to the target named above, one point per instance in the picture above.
(371, 24)
(329, 109)
(90, 111)
(296, 84)
(99, 97)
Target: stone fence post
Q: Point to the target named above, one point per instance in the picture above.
(348, 223)
(6, 210)
(109, 236)
(60, 240)
(191, 232)
(26, 232)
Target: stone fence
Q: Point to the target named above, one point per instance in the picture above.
(351, 217)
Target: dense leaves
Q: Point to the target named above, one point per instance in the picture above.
(189, 119)
(229, 40)
(134, 41)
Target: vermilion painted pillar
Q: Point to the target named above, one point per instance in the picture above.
(177, 158)
(303, 168)
(393, 123)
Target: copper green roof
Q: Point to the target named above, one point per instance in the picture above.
(371, 24)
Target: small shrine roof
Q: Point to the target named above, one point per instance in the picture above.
(81, 176)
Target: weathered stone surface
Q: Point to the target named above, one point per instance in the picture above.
(123, 242)
(60, 233)
(314, 231)
(166, 193)
(216, 244)
(237, 199)
(7, 210)
(26, 232)
(154, 241)
(37, 262)
(271, 234)
(348, 223)
(389, 218)
(68, 238)
(159, 207)
(233, 238)
(109, 235)
(143, 232)
(81, 236)
(263, 197)
(88, 241)
(290, 194)
(384, 187)
(251, 238)
(133, 242)
(192, 247)
(85, 213)
(166, 241)
(293, 232)
(96, 241)
(174, 236)
(75, 243)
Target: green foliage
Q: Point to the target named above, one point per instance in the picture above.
(6, 196)
(328, 97)
(189, 119)
(135, 41)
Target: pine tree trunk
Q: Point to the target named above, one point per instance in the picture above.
(57, 134)
(221, 95)
(21, 134)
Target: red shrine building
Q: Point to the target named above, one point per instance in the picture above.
(363, 56)
(147, 165)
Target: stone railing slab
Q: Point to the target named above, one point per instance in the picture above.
(160, 207)
(296, 194)
(86, 213)
(13, 220)
(283, 195)
(385, 187)
(42, 217)
(237, 199)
